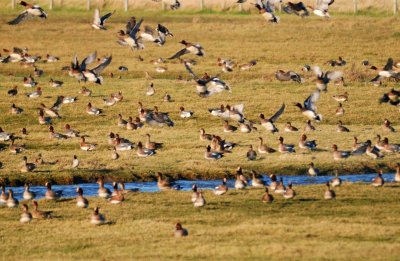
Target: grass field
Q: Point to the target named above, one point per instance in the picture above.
(361, 224)
(287, 46)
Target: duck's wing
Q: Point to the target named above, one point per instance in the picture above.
(105, 17)
(277, 114)
(179, 54)
(190, 71)
(99, 68)
(57, 105)
(96, 16)
(130, 25)
(88, 60)
(333, 75)
(135, 29)
(20, 18)
(317, 71)
(360, 150)
(163, 29)
(324, 5)
(309, 103)
(389, 65)
(239, 108)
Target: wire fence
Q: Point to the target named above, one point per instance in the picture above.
(355, 6)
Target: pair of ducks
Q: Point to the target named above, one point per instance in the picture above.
(288, 194)
(149, 149)
(27, 217)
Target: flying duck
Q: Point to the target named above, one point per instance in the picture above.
(129, 37)
(269, 123)
(309, 108)
(266, 9)
(30, 11)
(323, 78)
(98, 22)
(298, 9)
(195, 49)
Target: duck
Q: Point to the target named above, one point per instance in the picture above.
(312, 171)
(280, 187)
(130, 37)
(102, 191)
(98, 219)
(229, 128)
(247, 66)
(281, 75)
(27, 166)
(14, 148)
(56, 135)
(309, 109)
(4, 195)
(251, 153)
(37, 72)
(298, 9)
(285, 148)
(130, 125)
(13, 91)
(49, 111)
(185, 114)
(81, 202)
(341, 128)
(339, 62)
(40, 214)
(221, 146)
(390, 148)
(28, 195)
(167, 98)
(151, 145)
(240, 182)
(114, 154)
(75, 162)
(163, 183)
(51, 58)
(5, 136)
(341, 97)
(121, 122)
(266, 9)
(55, 83)
(117, 196)
(323, 78)
(274, 183)
(380, 144)
(387, 126)
(290, 128)
(256, 182)
(373, 152)
(70, 133)
(195, 49)
(150, 90)
(397, 175)
(200, 200)
(85, 91)
(267, 198)
(336, 181)
(98, 22)
(339, 110)
(126, 191)
(221, 189)
(209, 155)
(30, 11)
(329, 193)
(26, 216)
(122, 145)
(16, 110)
(180, 231)
(51, 194)
(92, 110)
(155, 36)
(338, 155)
(11, 201)
(110, 101)
(309, 126)
(195, 193)
(305, 144)
(378, 181)
(264, 149)
(289, 192)
(86, 146)
(29, 82)
(246, 127)
(143, 152)
(205, 136)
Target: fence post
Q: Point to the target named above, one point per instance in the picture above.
(88, 5)
(395, 7)
(51, 3)
(126, 5)
(240, 7)
(61, 3)
(355, 3)
(223, 5)
(201, 4)
(13, 4)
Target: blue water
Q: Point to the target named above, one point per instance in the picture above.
(90, 189)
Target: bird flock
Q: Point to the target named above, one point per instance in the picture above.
(206, 85)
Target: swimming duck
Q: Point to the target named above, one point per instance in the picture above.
(285, 148)
(289, 192)
(287, 76)
(27, 166)
(397, 175)
(30, 11)
(150, 90)
(267, 198)
(312, 171)
(329, 193)
(26, 217)
(56, 135)
(40, 214)
(98, 219)
(309, 109)
(341, 97)
(264, 149)
(81, 202)
(143, 152)
(185, 114)
(256, 182)
(387, 126)
(247, 66)
(13, 91)
(200, 200)
(221, 189)
(212, 155)
(240, 182)
(11, 201)
(290, 128)
(341, 128)
(251, 153)
(130, 38)
(92, 110)
(323, 78)
(87, 146)
(298, 9)
(151, 35)
(336, 181)
(29, 82)
(28, 195)
(339, 110)
(163, 183)
(195, 49)
(305, 144)
(338, 155)
(266, 9)
(51, 194)
(102, 191)
(98, 22)
(180, 231)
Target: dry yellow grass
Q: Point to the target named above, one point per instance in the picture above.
(286, 46)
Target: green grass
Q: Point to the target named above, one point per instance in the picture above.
(286, 46)
(361, 224)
